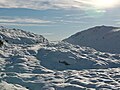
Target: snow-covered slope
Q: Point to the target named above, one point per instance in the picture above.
(64, 56)
(102, 38)
(57, 66)
(17, 36)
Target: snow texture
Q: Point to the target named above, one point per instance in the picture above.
(55, 66)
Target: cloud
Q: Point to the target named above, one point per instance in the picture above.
(70, 21)
(47, 34)
(118, 23)
(36, 4)
(48, 4)
(23, 21)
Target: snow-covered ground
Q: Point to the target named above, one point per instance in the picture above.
(102, 38)
(57, 66)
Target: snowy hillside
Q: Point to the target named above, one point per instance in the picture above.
(64, 56)
(57, 66)
(17, 36)
(102, 38)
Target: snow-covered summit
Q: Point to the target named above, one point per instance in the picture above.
(17, 36)
(102, 38)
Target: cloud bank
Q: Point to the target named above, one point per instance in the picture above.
(23, 21)
(49, 4)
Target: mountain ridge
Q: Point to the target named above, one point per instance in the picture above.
(102, 38)
(18, 36)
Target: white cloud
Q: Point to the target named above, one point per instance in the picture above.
(47, 34)
(23, 21)
(49, 4)
(18, 24)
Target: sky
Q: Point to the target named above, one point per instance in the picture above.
(58, 19)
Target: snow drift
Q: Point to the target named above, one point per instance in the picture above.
(64, 56)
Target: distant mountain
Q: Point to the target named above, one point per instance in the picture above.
(17, 36)
(102, 38)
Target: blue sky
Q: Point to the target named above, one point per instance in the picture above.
(56, 19)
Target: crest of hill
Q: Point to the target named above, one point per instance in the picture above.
(102, 38)
(17, 36)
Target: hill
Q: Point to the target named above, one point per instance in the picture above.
(17, 36)
(101, 38)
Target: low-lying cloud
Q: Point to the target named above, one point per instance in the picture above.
(23, 21)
